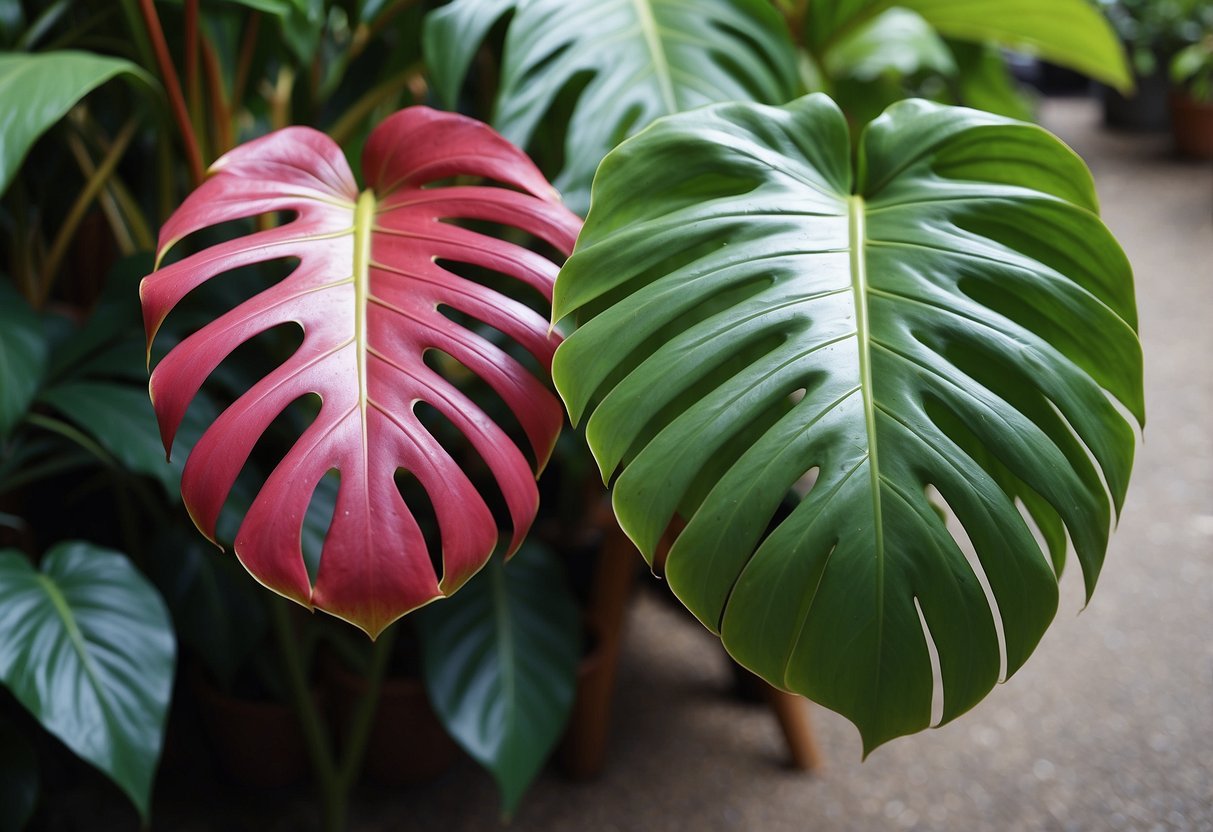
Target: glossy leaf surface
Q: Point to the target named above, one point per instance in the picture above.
(947, 316)
(1072, 33)
(371, 294)
(88, 649)
(639, 59)
(501, 665)
(36, 90)
(22, 357)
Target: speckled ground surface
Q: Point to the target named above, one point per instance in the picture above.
(1108, 727)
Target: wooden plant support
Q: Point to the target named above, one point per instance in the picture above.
(582, 753)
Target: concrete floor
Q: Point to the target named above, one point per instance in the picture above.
(1110, 724)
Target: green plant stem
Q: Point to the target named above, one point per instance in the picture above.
(364, 36)
(221, 111)
(69, 432)
(346, 126)
(172, 86)
(335, 777)
(113, 213)
(135, 23)
(42, 24)
(67, 231)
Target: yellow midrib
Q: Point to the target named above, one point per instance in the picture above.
(863, 336)
(364, 223)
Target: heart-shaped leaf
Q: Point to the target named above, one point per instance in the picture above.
(948, 315)
(501, 665)
(42, 88)
(369, 293)
(88, 649)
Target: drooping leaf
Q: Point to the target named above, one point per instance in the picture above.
(88, 649)
(1072, 33)
(943, 316)
(897, 41)
(120, 419)
(453, 34)
(36, 90)
(369, 293)
(643, 59)
(984, 82)
(22, 357)
(500, 664)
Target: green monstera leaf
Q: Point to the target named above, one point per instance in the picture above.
(88, 649)
(624, 62)
(943, 320)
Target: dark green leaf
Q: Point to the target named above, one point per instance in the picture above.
(453, 34)
(898, 41)
(88, 649)
(121, 420)
(36, 90)
(217, 611)
(948, 314)
(22, 357)
(500, 663)
(642, 59)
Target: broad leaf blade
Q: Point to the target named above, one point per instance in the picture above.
(42, 87)
(1072, 33)
(452, 36)
(23, 357)
(369, 294)
(947, 316)
(644, 59)
(500, 664)
(88, 649)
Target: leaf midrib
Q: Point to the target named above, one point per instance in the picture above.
(661, 63)
(857, 229)
(79, 644)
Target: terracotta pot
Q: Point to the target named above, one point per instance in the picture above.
(1192, 122)
(258, 743)
(407, 743)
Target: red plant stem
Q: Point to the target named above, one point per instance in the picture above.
(191, 47)
(172, 86)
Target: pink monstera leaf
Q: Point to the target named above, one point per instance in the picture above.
(368, 292)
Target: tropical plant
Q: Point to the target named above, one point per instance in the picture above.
(769, 303)
(1192, 68)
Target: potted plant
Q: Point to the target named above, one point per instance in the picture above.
(740, 333)
(1153, 32)
(1192, 99)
